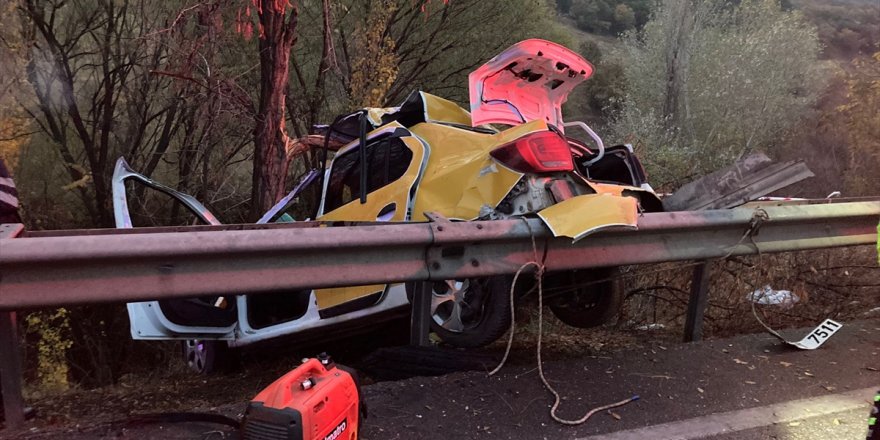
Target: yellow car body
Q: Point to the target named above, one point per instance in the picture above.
(508, 157)
(453, 174)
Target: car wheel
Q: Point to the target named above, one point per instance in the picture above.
(470, 313)
(588, 306)
(207, 356)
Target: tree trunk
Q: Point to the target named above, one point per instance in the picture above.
(270, 156)
(677, 59)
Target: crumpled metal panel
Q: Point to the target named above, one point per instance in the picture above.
(461, 177)
(582, 215)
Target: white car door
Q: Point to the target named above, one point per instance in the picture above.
(210, 317)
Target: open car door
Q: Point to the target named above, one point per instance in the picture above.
(212, 317)
(207, 317)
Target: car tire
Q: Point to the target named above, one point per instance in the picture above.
(591, 305)
(483, 306)
(207, 357)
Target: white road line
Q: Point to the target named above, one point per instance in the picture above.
(743, 419)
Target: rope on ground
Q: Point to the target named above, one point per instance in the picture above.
(758, 219)
(539, 276)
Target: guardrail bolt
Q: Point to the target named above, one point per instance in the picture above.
(475, 263)
(435, 265)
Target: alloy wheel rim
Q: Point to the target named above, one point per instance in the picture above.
(196, 354)
(448, 304)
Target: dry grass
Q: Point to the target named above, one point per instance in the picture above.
(842, 284)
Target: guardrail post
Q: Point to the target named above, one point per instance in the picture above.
(10, 356)
(693, 326)
(10, 371)
(420, 322)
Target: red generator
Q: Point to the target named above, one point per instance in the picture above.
(316, 401)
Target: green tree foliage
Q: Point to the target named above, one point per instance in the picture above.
(433, 44)
(563, 6)
(609, 17)
(742, 78)
(623, 19)
(592, 15)
(104, 81)
(374, 64)
(599, 98)
(51, 329)
(861, 114)
(847, 28)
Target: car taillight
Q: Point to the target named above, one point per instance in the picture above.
(536, 153)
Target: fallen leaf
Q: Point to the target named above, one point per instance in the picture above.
(828, 388)
(835, 421)
(740, 362)
(871, 369)
(614, 414)
(808, 374)
(700, 390)
(751, 383)
(785, 364)
(794, 424)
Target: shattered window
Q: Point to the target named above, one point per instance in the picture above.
(387, 159)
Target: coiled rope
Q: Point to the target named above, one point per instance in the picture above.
(539, 276)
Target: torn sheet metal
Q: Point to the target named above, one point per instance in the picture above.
(747, 179)
(421, 107)
(303, 183)
(461, 177)
(582, 215)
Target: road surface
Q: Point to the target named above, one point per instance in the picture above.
(746, 387)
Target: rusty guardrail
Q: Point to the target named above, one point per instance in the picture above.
(76, 267)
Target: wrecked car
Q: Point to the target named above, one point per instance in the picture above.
(510, 156)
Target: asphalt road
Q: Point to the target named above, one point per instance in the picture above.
(684, 382)
(747, 387)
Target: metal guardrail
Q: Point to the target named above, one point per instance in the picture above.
(55, 268)
(74, 267)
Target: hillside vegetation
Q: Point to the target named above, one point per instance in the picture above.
(783, 78)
